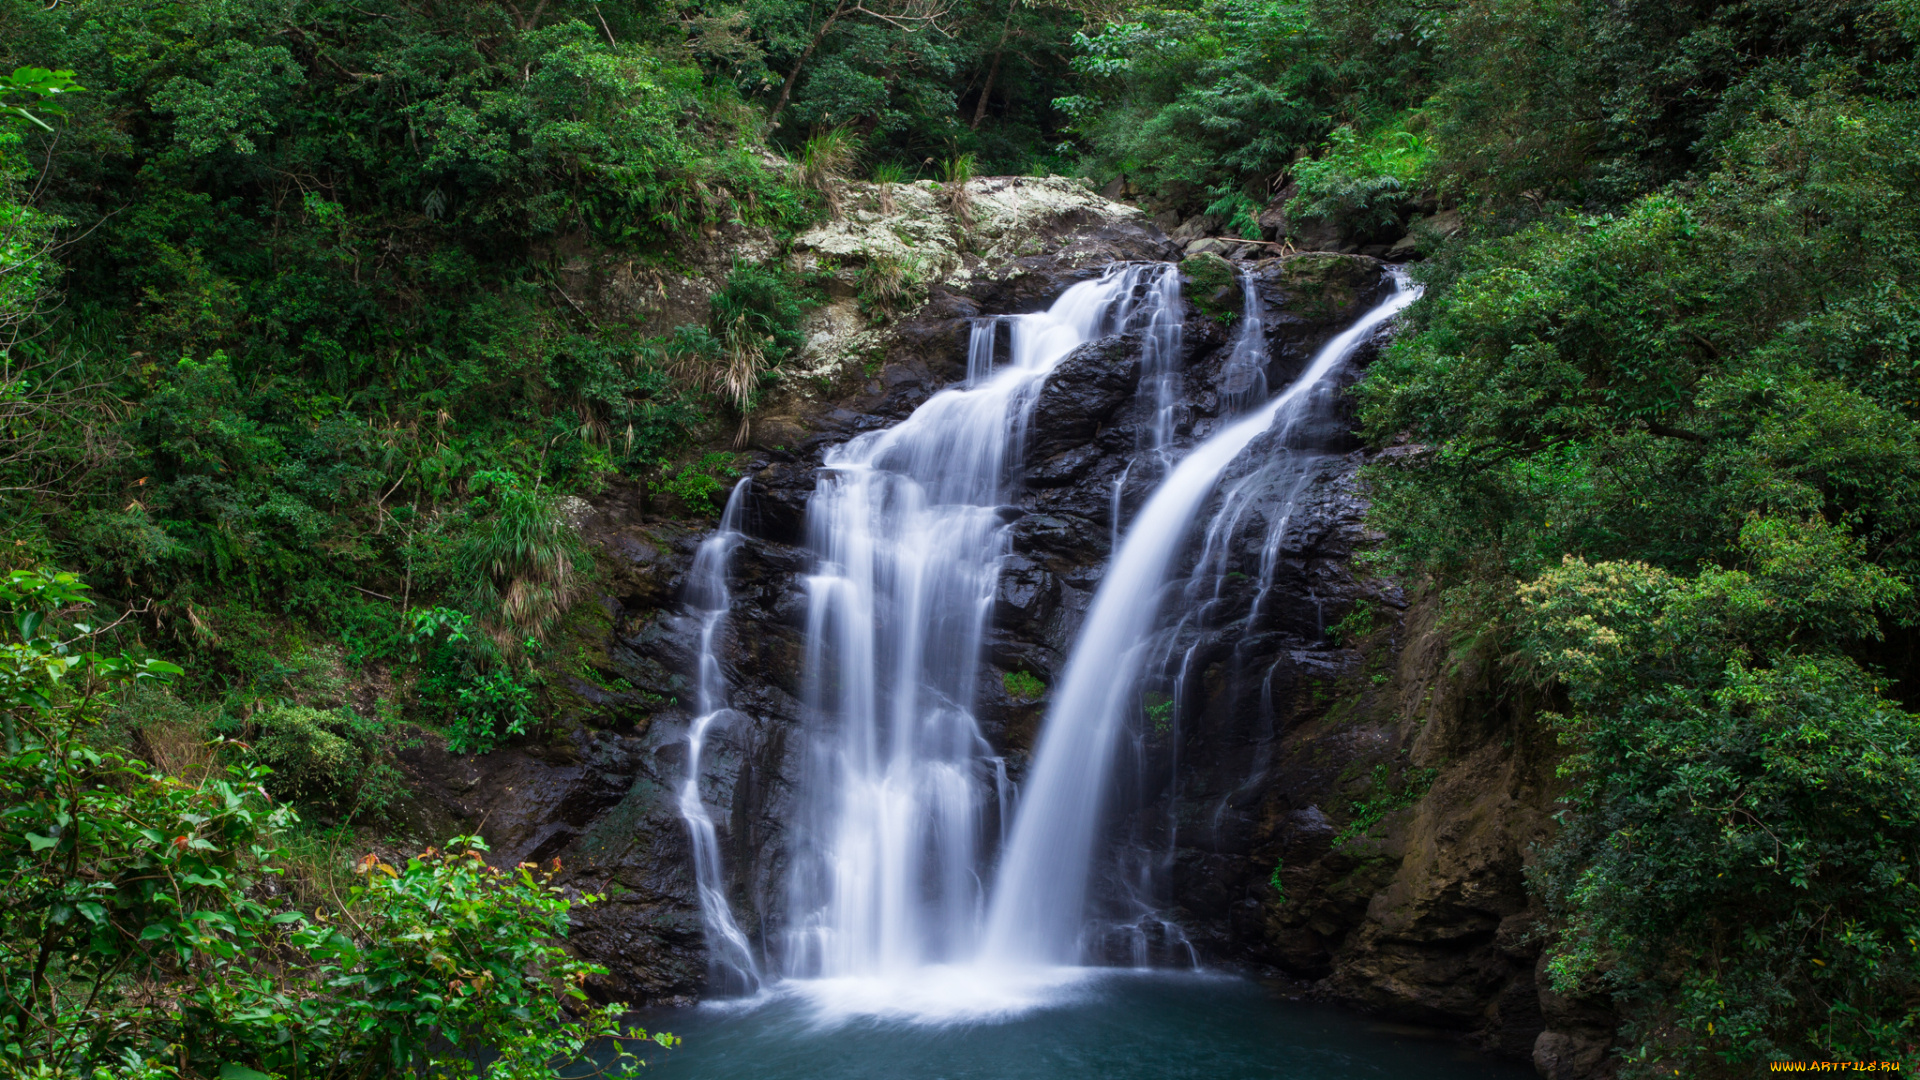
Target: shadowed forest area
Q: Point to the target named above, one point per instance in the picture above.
(297, 393)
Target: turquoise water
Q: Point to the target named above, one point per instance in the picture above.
(1112, 1026)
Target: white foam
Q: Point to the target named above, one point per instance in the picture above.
(944, 994)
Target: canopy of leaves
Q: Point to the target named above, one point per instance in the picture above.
(1667, 449)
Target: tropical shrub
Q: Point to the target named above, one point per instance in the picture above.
(145, 931)
(332, 759)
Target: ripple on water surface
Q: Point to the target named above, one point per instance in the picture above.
(1093, 1026)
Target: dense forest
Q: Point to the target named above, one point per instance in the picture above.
(291, 384)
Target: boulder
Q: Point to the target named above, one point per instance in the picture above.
(1314, 234)
(1212, 284)
(1193, 229)
(1273, 220)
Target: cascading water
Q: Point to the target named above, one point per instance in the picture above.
(708, 598)
(1244, 377)
(887, 910)
(1039, 899)
(1161, 311)
(908, 528)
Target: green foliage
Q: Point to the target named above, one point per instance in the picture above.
(1359, 183)
(1220, 96)
(1158, 708)
(1239, 211)
(828, 156)
(1383, 798)
(1278, 886)
(697, 484)
(525, 554)
(465, 682)
(314, 289)
(920, 83)
(1023, 685)
(445, 958)
(771, 301)
(138, 937)
(36, 87)
(890, 285)
(1746, 811)
(957, 169)
(1667, 455)
(1356, 625)
(333, 759)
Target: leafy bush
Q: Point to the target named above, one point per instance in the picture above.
(1355, 625)
(430, 965)
(140, 932)
(1239, 211)
(697, 484)
(1359, 183)
(1023, 685)
(1668, 470)
(1215, 96)
(1746, 806)
(334, 759)
(466, 683)
(524, 555)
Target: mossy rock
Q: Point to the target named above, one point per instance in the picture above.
(1212, 287)
(1323, 286)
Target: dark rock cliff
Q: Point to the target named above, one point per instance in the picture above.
(1345, 799)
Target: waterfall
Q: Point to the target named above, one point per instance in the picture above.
(887, 909)
(729, 954)
(1244, 376)
(1039, 898)
(1160, 355)
(908, 529)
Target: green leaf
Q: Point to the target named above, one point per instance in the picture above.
(41, 843)
(231, 1071)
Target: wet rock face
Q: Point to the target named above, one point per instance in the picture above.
(1304, 688)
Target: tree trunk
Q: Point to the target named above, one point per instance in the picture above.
(980, 108)
(786, 88)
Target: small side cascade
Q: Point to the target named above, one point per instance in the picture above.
(1040, 898)
(1244, 376)
(730, 955)
(1164, 334)
(981, 340)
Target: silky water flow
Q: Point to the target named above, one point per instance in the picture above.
(888, 910)
(729, 954)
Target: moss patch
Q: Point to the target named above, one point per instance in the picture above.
(1023, 685)
(1212, 287)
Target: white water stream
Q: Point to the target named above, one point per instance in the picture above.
(1040, 895)
(888, 911)
(908, 529)
(729, 954)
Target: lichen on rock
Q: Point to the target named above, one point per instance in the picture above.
(893, 243)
